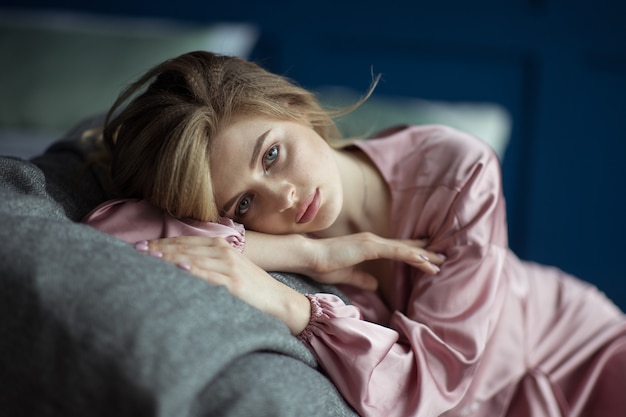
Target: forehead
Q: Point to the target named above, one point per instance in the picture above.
(240, 131)
(231, 151)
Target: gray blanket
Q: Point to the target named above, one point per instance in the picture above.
(91, 327)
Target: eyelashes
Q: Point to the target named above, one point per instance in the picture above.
(270, 156)
(243, 205)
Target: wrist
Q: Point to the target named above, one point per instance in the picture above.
(265, 250)
(297, 313)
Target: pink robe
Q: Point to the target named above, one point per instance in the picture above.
(490, 335)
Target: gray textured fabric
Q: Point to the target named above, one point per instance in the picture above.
(90, 327)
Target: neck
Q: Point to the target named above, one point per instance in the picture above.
(365, 197)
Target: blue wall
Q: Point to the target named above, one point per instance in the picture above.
(558, 66)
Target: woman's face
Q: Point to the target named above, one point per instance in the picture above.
(275, 176)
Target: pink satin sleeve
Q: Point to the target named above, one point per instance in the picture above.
(371, 369)
(135, 220)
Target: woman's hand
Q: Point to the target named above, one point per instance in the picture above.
(336, 259)
(215, 261)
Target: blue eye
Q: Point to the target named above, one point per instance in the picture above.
(243, 206)
(270, 156)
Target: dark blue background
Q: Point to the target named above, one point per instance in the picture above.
(558, 66)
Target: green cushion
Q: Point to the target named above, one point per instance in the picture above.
(59, 68)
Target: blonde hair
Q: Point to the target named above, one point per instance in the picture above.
(159, 142)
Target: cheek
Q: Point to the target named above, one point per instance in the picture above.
(317, 164)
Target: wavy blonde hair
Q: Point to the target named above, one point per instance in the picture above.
(159, 132)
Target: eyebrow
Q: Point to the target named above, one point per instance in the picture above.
(255, 155)
(257, 147)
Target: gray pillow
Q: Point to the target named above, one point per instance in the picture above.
(89, 326)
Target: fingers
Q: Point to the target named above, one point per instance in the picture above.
(413, 253)
(434, 258)
(187, 252)
(422, 259)
(376, 247)
(184, 243)
(346, 251)
(419, 245)
(426, 264)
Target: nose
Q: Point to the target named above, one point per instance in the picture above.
(281, 195)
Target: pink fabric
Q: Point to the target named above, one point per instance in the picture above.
(490, 335)
(134, 220)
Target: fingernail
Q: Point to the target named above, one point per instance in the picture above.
(142, 246)
(442, 256)
(155, 253)
(424, 257)
(184, 265)
(436, 268)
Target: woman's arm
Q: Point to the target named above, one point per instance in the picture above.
(320, 256)
(330, 260)
(217, 262)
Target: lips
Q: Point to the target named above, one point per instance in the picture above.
(309, 208)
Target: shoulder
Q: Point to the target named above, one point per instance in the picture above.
(433, 139)
(428, 154)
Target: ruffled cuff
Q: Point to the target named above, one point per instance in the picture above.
(237, 236)
(316, 313)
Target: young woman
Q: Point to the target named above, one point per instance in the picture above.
(214, 137)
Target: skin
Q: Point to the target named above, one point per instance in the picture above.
(265, 173)
(292, 164)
